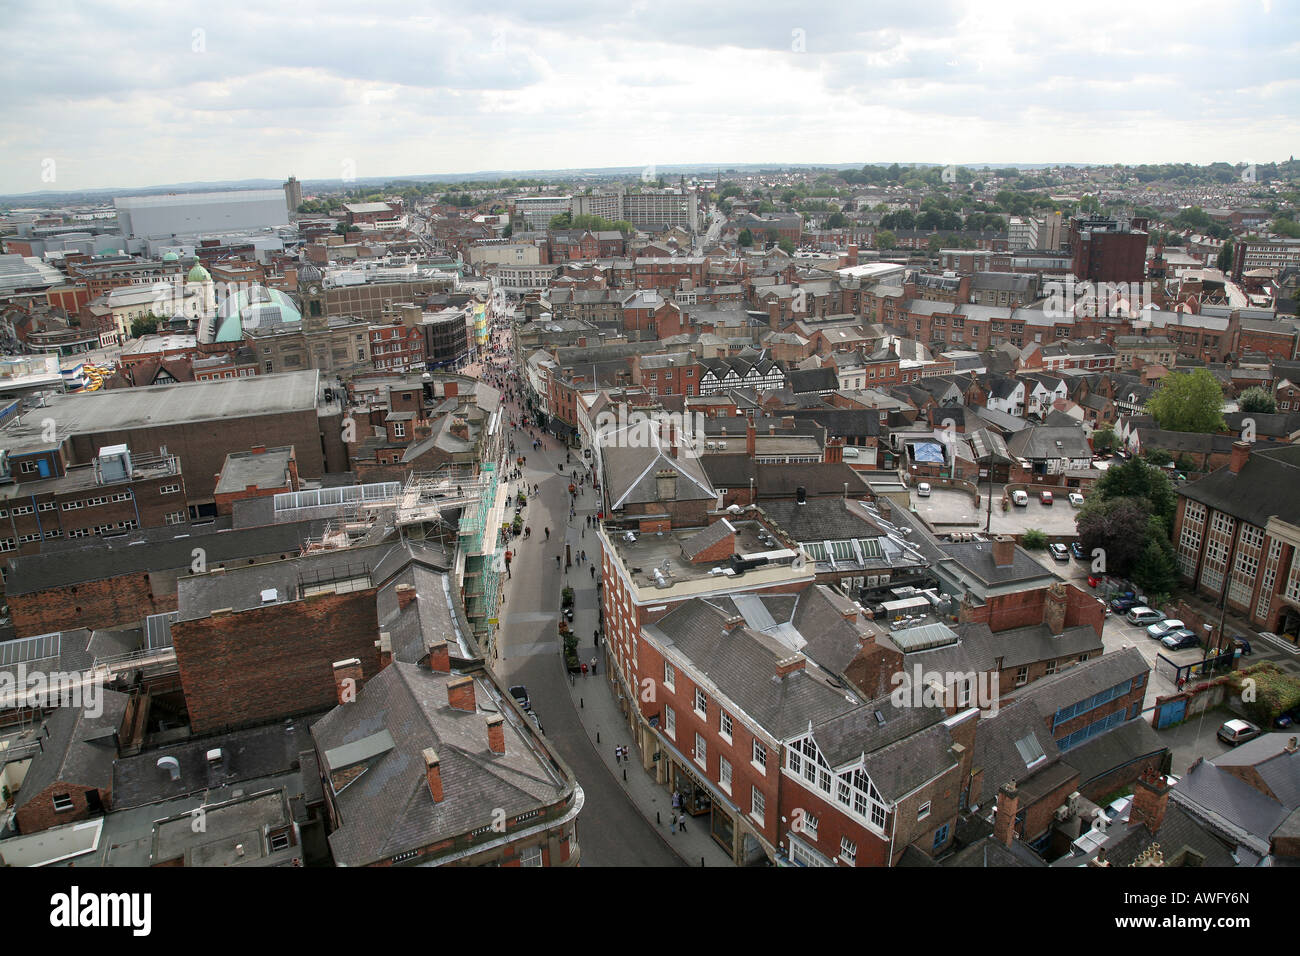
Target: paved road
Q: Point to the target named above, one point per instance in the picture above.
(610, 831)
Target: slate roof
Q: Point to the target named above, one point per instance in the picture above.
(812, 380)
(388, 809)
(1050, 694)
(977, 558)
(846, 737)
(75, 751)
(1039, 442)
(996, 752)
(1128, 743)
(714, 534)
(1262, 489)
(1179, 830)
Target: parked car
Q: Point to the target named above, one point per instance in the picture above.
(1124, 604)
(923, 490)
(1059, 552)
(1177, 640)
(1076, 500)
(1020, 498)
(1144, 615)
(1235, 732)
(520, 693)
(1166, 625)
(1045, 497)
(1289, 719)
(1093, 580)
(1076, 549)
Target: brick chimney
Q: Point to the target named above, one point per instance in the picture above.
(1150, 798)
(406, 593)
(1004, 824)
(851, 613)
(1004, 551)
(439, 658)
(496, 733)
(1291, 745)
(459, 429)
(460, 694)
(1240, 454)
(791, 664)
(787, 421)
(433, 774)
(749, 438)
(834, 453)
(347, 679)
(1054, 607)
(731, 623)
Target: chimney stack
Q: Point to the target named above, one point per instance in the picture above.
(496, 734)
(851, 613)
(1054, 608)
(405, 595)
(347, 679)
(439, 658)
(460, 694)
(789, 665)
(433, 774)
(1291, 745)
(1150, 798)
(1240, 454)
(749, 437)
(834, 453)
(731, 623)
(1004, 824)
(1004, 551)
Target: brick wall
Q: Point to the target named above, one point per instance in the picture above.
(39, 813)
(275, 661)
(118, 601)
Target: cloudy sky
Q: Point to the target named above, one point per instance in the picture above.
(125, 94)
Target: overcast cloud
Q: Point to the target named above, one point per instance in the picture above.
(121, 95)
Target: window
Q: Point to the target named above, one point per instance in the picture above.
(176, 517)
(1022, 676)
(531, 856)
(724, 726)
(22, 510)
(701, 751)
(280, 842)
(29, 467)
(670, 722)
(399, 429)
(62, 801)
(701, 703)
(760, 756)
(757, 804)
(724, 774)
(670, 676)
(940, 836)
(168, 489)
(810, 824)
(46, 506)
(1051, 667)
(923, 810)
(848, 851)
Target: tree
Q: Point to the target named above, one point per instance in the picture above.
(1188, 402)
(1118, 527)
(885, 239)
(787, 246)
(342, 229)
(1224, 262)
(1104, 439)
(1257, 401)
(836, 221)
(746, 238)
(1033, 540)
(1155, 570)
(507, 232)
(146, 324)
(1139, 481)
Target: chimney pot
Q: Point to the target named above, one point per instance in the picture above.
(731, 623)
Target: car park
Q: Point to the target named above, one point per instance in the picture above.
(1165, 625)
(1144, 615)
(1180, 639)
(1234, 732)
(1045, 497)
(1059, 552)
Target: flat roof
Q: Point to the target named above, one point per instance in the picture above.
(265, 469)
(152, 406)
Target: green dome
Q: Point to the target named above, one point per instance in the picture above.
(255, 307)
(170, 257)
(198, 274)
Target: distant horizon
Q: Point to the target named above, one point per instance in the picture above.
(676, 169)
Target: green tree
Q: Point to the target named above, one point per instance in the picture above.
(1033, 540)
(146, 324)
(1188, 402)
(836, 221)
(341, 229)
(1257, 401)
(1138, 481)
(746, 238)
(1155, 570)
(1118, 527)
(1224, 262)
(507, 232)
(885, 239)
(1104, 439)
(787, 246)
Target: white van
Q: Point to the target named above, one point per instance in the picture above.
(923, 490)
(1020, 499)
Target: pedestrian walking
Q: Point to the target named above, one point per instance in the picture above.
(557, 560)
(673, 824)
(584, 670)
(681, 822)
(593, 667)
(548, 534)
(595, 637)
(593, 572)
(677, 801)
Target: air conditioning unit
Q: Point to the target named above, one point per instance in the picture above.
(1062, 813)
